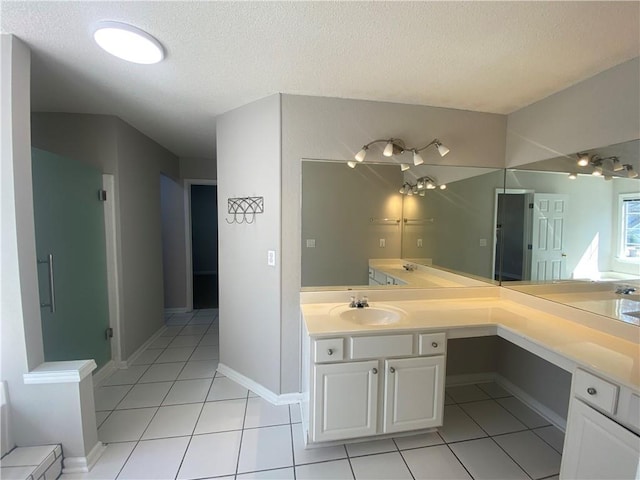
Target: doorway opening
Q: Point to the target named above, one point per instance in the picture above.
(203, 243)
(513, 235)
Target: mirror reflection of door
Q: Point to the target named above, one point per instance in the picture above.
(513, 246)
(72, 268)
(548, 257)
(204, 245)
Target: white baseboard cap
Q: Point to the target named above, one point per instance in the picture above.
(144, 346)
(255, 387)
(83, 464)
(531, 402)
(105, 372)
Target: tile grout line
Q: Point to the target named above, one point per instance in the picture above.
(244, 419)
(403, 459)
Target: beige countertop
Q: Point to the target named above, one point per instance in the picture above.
(563, 342)
(424, 276)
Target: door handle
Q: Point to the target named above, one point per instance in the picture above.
(52, 285)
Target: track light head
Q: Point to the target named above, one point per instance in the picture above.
(616, 165)
(443, 187)
(352, 164)
(573, 176)
(404, 167)
(631, 173)
(417, 158)
(442, 150)
(583, 159)
(388, 150)
(361, 154)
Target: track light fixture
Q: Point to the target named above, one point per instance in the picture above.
(396, 146)
(616, 166)
(421, 186)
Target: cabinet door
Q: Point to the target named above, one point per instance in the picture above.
(598, 448)
(345, 400)
(414, 393)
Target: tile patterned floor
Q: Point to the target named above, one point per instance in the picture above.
(171, 416)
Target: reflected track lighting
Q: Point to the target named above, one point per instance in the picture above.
(404, 167)
(573, 176)
(352, 164)
(631, 173)
(421, 186)
(583, 159)
(396, 146)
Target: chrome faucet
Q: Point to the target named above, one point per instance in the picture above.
(360, 303)
(625, 290)
(409, 267)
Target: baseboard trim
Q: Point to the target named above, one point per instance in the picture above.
(268, 395)
(177, 310)
(531, 402)
(144, 346)
(469, 378)
(83, 464)
(105, 372)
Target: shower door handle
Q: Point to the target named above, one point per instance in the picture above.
(52, 285)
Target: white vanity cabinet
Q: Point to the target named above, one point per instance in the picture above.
(600, 442)
(374, 385)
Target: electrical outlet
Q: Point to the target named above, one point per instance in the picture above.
(271, 258)
(383, 243)
(419, 243)
(483, 242)
(311, 243)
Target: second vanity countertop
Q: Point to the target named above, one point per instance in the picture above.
(563, 342)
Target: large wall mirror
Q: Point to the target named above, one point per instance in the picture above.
(350, 216)
(572, 231)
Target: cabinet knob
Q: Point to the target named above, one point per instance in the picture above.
(591, 391)
(330, 351)
(392, 370)
(374, 370)
(434, 344)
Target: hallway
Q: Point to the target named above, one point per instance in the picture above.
(172, 416)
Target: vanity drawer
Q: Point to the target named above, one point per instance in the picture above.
(329, 350)
(596, 391)
(431, 343)
(381, 346)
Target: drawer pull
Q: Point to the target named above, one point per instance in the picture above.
(392, 370)
(330, 351)
(374, 370)
(434, 344)
(591, 391)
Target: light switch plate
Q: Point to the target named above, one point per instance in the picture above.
(383, 243)
(311, 243)
(483, 242)
(419, 243)
(271, 258)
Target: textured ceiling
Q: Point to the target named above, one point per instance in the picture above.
(484, 56)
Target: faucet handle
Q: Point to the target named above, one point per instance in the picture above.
(365, 301)
(352, 303)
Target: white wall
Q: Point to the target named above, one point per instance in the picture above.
(599, 111)
(248, 142)
(334, 128)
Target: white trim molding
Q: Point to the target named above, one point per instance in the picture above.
(132, 358)
(83, 464)
(255, 387)
(171, 311)
(73, 371)
(105, 372)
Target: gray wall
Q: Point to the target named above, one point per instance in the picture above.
(333, 128)
(462, 215)
(548, 384)
(140, 163)
(248, 141)
(602, 110)
(198, 168)
(173, 243)
(136, 161)
(337, 205)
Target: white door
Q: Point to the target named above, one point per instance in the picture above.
(345, 400)
(548, 258)
(598, 448)
(414, 393)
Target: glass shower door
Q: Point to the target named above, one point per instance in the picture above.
(70, 245)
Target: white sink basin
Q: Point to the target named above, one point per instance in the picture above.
(377, 314)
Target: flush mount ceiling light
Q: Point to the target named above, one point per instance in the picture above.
(128, 42)
(396, 146)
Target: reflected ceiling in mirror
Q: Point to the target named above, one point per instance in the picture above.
(355, 218)
(579, 244)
